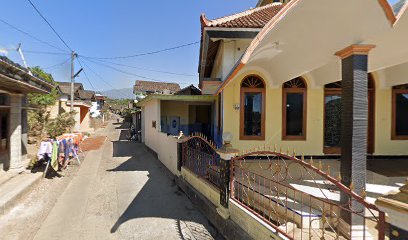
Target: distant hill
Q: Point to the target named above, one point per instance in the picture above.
(123, 93)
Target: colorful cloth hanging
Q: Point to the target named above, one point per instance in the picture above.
(54, 156)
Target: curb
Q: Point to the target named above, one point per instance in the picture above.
(10, 194)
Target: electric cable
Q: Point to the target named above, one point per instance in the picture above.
(31, 36)
(86, 76)
(57, 65)
(147, 69)
(45, 52)
(49, 24)
(127, 73)
(102, 78)
(147, 53)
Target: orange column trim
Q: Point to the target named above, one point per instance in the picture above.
(355, 49)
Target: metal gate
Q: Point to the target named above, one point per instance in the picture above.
(200, 156)
(300, 199)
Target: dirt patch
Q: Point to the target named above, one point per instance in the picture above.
(93, 143)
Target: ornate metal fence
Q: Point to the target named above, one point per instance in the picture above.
(199, 156)
(301, 201)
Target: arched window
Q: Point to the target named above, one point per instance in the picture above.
(294, 109)
(252, 123)
(400, 112)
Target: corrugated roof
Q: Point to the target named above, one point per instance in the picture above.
(149, 86)
(253, 18)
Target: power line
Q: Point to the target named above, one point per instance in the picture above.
(49, 24)
(57, 65)
(45, 52)
(100, 77)
(147, 69)
(147, 53)
(125, 72)
(31, 36)
(86, 76)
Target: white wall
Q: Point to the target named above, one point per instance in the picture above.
(165, 146)
(151, 112)
(167, 151)
(227, 56)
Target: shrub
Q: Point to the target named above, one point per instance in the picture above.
(60, 125)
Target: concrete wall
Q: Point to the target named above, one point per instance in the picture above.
(167, 151)
(228, 54)
(151, 113)
(313, 145)
(85, 118)
(165, 146)
(175, 109)
(250, 223)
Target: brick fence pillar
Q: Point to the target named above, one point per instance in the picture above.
(226, 154)
(354, 128)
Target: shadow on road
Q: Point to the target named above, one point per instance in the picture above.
(159, 197)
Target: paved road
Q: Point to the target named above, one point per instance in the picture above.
(122, 192)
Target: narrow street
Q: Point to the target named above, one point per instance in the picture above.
(122, 192)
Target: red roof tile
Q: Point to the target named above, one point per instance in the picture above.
(253, 18)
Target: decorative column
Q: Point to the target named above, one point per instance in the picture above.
(354, 130)
(15, 132)
(227, 153)
(396, 206)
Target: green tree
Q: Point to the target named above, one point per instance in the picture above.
(39, 121)
(43, 100)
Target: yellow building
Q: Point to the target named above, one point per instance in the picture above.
(277, 78)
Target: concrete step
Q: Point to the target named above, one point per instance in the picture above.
(282, 208)
(15, 187)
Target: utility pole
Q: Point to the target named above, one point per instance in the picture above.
(73, 55)
(23, 58)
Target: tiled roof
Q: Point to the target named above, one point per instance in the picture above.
(65, 87)
(148, 86)
(253, 18)
(189, 90)
(86, 95)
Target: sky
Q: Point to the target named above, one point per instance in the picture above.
(109, 28)
(97, 28)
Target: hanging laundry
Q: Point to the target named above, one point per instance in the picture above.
(54, 156)
(45, 149)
